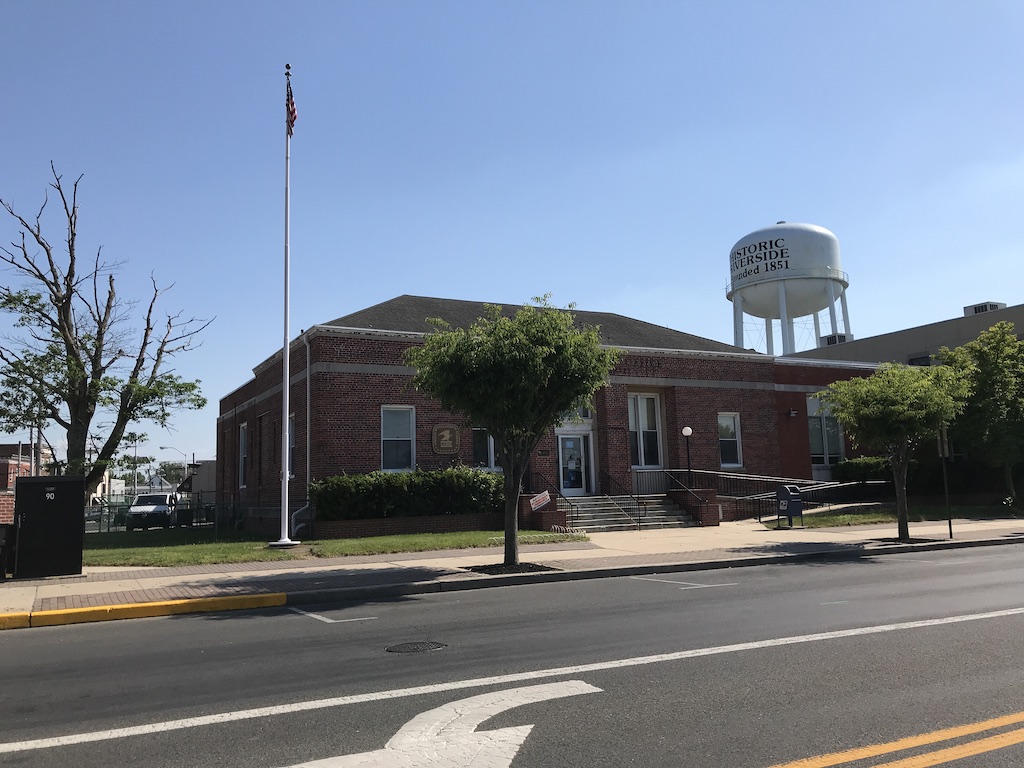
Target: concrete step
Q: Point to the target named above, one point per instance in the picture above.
(603, 513)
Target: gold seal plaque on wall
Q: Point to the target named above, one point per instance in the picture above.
(446, 438)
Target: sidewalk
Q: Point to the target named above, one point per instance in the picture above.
(116, 593)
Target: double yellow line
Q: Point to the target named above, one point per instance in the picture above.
(957, 752)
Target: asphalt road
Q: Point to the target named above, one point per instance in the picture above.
(749, 667)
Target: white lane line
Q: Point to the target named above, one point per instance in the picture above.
(835, 602)
(951, 561)
(325, 620)
(479, 682)
(687, 584)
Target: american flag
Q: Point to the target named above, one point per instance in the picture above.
(291, 115)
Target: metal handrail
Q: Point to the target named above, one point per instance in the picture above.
(639, 506)
(572, 513)
(673, 483)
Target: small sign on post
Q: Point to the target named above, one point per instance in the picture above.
(540, 500)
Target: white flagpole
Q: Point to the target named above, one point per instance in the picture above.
(285, 541)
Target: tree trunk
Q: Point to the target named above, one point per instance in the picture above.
(1008, 477)
(900, 463)
(513, 482)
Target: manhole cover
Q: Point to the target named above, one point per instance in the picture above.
(414, 647)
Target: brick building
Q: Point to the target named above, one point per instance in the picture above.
(353, 410)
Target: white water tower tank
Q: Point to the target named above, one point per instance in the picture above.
(783, 273)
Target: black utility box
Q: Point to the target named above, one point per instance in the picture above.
(49, 513)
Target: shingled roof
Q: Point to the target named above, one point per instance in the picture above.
(410, 313)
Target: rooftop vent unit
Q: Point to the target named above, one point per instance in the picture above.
(835, 338)
(987, 306)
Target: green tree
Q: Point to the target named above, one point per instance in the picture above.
(992, 424)
(131, 462)
(516, 377)
(173, 471)
(892, 411)
(75, 353)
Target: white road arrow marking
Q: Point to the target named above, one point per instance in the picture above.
(446, 737)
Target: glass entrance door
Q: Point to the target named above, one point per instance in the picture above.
(574, 464)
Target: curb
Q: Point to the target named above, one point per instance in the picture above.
(138, 610)
(347, 594)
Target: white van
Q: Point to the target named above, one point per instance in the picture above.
(152, 509)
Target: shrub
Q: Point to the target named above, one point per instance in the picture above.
(452, 491)
(862, 468)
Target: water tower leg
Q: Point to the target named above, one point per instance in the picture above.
(784, 322)
(769, 335)
(737, 319)
(832, 306)
(846, 315)
(817, 331)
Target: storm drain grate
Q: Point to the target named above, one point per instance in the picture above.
(415, 647)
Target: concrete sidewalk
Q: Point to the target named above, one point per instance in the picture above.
(115, 593)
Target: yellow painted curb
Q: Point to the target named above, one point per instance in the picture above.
(14, 620)
(147, 610)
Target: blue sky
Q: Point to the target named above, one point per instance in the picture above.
(609, 153)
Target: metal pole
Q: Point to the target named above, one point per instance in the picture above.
(687, 431)
(689, 470)
(284, 541)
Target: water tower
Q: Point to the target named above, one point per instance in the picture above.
(786, 272)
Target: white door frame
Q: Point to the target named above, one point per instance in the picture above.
(584, 460)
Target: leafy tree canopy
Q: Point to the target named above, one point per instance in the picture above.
(892, 411)
(515, 376)
(992, 424)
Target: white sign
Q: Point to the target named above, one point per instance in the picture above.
(446, 737)
(540, 500)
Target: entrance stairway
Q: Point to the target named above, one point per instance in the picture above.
(598, 514)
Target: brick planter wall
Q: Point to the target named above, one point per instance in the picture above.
(542, 519)
(704, 514)
(355, 529)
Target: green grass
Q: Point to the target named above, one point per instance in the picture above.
(869, 515)
(184, 546)
(179, 547)
(427, 542)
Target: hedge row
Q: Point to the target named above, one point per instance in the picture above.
(862, 468)
(453, 491)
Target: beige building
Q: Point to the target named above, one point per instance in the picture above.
(916, 346)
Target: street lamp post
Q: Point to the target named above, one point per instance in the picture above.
(184, 460)
(687, 431)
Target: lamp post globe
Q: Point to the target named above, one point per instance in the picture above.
(687, 431)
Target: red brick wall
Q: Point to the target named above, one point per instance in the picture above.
(705, 514)
(693, 390)
(353, 529)
(6, 507)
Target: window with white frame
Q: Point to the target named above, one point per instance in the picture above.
(483, 450)
(729, 439)
(397, 446)
(644, 438)
(825, 434)
(243, 454)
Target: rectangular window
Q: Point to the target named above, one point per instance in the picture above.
(729, 439)
(644, 439)
(243, 454)
(825, 434)
(397, 446)
(483, 450)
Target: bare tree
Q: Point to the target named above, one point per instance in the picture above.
(75, 351)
